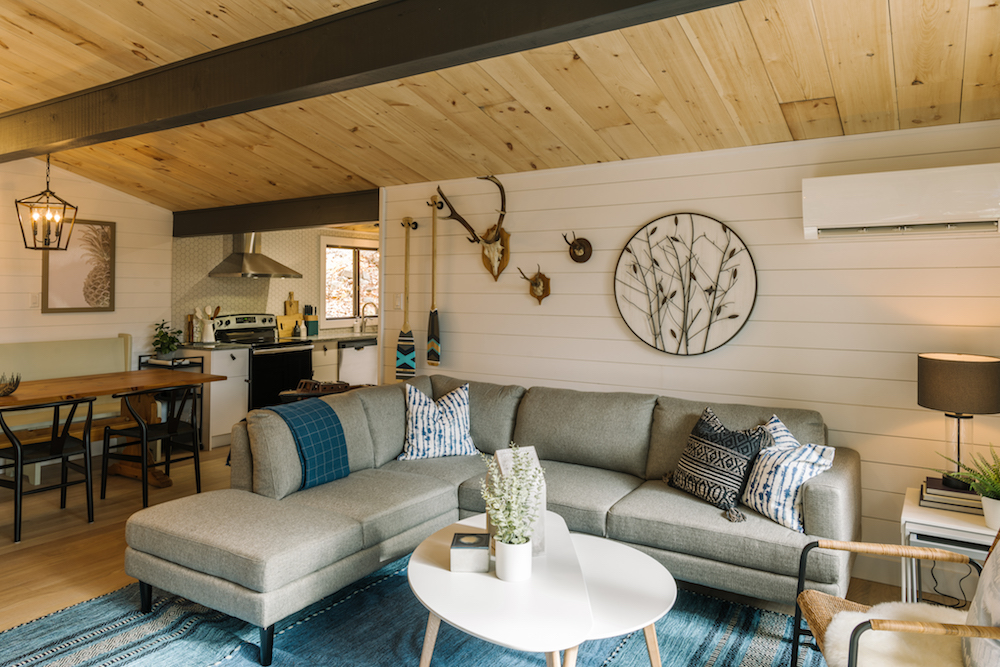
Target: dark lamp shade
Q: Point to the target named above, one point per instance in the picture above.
(959, 383)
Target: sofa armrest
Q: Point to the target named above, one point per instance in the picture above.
(240, 459)
(831, 501)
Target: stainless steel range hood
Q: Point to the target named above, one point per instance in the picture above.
(246, 261)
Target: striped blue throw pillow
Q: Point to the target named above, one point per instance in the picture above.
(435, 429)
(779, 472)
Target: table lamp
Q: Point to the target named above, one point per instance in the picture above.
(960, 385)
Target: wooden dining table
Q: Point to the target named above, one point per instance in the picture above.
(39, 392)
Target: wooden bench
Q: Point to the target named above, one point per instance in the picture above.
(43, 360)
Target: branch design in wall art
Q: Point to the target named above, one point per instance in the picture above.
(82, 279)
(685, 284)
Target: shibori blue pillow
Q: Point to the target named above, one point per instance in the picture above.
(779, 472)
(435, 429)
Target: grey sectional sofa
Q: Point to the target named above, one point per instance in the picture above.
(263, 550)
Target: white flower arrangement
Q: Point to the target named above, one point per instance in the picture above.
(512, 500)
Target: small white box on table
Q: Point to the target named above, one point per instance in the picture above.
(470, 552)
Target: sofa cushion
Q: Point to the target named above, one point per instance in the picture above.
(658, 516)
(716, 462)
(778, 473)
(385, 502)
(451, 469)
(436, 428)
(579, 494)
(583, 495)
(492, 410)
(674, 418)
(601, 430)
(257, 542)
(277, 470)
(385, 407)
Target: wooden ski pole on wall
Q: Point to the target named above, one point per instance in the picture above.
(406, 353)
(433, 326)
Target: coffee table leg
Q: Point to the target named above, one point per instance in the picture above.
(651, 645)
(433, 623)
(552, 659)
(569, 657)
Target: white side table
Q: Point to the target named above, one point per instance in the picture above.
(952, 531)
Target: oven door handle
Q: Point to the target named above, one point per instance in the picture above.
(282, 350)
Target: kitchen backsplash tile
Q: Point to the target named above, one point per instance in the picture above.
(194, 257)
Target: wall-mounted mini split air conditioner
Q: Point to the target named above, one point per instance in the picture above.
(946, 200)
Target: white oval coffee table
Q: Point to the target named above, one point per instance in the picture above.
(628, 590)
(545, 614)
(581, 588)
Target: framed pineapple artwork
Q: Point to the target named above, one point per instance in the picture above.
(81, 279)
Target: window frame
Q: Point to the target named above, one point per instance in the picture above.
(345, 243)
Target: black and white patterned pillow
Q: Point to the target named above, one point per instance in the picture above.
(716, 462)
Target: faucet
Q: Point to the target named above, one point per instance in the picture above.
(364, 318)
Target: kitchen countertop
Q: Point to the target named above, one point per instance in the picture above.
(215, 346)
(333, 335)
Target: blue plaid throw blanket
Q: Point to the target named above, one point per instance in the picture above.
(319, 438)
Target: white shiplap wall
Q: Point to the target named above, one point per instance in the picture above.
(836, 327)
(142, 266)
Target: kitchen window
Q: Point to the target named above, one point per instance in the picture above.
(350, 279)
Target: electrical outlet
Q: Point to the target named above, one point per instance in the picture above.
(34, 300)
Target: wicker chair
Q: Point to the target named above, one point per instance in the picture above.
(819, 608)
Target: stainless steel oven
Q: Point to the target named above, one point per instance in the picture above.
(275, 365)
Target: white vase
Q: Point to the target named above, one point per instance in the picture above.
(513, 561)
(991, 512)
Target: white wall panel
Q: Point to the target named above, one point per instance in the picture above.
(836, 327)
(142, 262)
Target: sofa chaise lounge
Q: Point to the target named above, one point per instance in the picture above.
(264, 549)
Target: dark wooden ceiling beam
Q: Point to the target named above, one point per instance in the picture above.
(379, 42)
(346, 208)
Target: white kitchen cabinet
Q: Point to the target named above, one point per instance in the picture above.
(324, 360)
(224, 401)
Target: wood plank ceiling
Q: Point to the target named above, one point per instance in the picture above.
(756, 72)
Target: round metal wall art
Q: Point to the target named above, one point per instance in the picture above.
(685, 284)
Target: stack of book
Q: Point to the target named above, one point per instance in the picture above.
(933, 493)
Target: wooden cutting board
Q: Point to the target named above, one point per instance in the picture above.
(291, 305)
(286, 325)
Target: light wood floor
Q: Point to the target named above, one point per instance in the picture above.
(62, 560)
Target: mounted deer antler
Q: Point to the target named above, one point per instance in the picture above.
(453, 215)
(579, 249)
(538, 284)
(495, 240)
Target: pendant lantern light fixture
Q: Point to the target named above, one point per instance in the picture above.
(46, 219)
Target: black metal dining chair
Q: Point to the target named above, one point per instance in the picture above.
(58, 444)
(180, 430)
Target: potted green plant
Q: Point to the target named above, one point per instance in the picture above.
(165, 340)
(512, 505)
(983, 476)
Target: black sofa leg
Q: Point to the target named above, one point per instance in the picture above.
(266, 644)
(145, 597)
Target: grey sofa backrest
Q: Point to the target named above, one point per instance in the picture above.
(385, 407)
(674, 418)
(603, 430)
(276, 470)
(492, 410)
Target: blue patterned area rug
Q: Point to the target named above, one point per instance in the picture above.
(376, 622)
